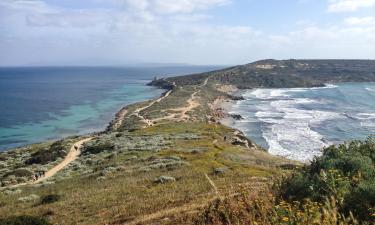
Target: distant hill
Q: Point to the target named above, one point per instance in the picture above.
(283, 74)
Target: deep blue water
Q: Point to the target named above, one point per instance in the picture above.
(297, 123)
(41, 103)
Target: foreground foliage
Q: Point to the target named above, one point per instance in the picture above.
(23, 220)
(265, 209)
(345, 172)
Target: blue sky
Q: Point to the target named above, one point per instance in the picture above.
(122, 32)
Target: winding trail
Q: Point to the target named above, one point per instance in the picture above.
(72, 155)
(139, 110)
(121, 116)
(181, 112)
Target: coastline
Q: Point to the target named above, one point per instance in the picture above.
(93, 127)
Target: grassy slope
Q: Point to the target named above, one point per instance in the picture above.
(129, 193)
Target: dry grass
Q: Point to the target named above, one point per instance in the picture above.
(129, 194)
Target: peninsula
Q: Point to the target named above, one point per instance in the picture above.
(170, 161)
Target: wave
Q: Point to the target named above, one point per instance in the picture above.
(367, 124)
(297, 123)
(294, 140)
(370, 89)
(289, 131)
(282, 92)
(268, 93)
(365, 116)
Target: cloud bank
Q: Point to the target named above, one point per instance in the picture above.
(35, 32)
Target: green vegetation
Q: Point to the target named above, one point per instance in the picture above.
(23, 220)
(149, 170)
(48, 199)
(344, 172)
(56, 150)
(265, 209)
(98, 147)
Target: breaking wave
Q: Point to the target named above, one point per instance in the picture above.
(297, 123)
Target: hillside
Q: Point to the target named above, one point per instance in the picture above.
(283, 74)
(169, 160)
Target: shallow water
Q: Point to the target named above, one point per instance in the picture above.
(298, 122)
(51, 102)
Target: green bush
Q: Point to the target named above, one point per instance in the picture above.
(48, 199)
(56, 150)
(98, 147)
(345, 172)
(24, 220)
(20, 172)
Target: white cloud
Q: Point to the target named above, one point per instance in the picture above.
(172, 6)
(185, 6)
(152, 31)
(349, 5)
(360, 21)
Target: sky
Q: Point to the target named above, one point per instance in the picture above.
(200, 32)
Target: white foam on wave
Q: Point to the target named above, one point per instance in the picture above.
(266, 114)
(367, 124)
(365, 116)
(282, 92)
(267, 93)
(367, 119)
(370, 89)
(288, 129)
(290, 125)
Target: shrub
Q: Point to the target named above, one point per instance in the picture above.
(98, 147)
(30, 198)
(164, 179)
(55, 151)
(12, 192)
(345, 172)
(21, 172)
(248, 207)
(24, 220)
(48, 199)
(220, 170)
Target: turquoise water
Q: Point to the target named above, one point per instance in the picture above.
(298, 122)
(39, 104)
(77, 119)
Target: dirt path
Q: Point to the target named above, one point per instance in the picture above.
(181, 113)
(72, 155)
(120, 118)
(139, 110)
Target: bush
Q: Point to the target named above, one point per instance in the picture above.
(55, 151)
(48, 199)
(248, 207)
(30, 198)
(164, 179)
(98, 147)
(21, 172)
(24, 220)
(345, 172)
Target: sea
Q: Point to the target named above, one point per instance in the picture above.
(298, 123)
(49, 103)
